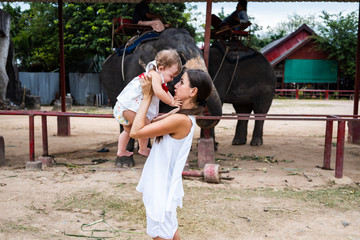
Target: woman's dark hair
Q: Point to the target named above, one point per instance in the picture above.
(202, 81)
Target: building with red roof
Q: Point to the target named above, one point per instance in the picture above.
(298, 62)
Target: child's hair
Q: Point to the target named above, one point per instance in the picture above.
(167, 58)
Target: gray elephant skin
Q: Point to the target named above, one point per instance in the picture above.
(5, 20)
(247, 81)
(134, 64)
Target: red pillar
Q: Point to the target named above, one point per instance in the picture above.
(63, 122)
(44, 135)
(206, 145)
(207, 32)
(2, 151)
(328, 142)
(31, 139)
(357, 76)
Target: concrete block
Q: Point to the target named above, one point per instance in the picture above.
(205, 151)
(36, 165)
(46, 161)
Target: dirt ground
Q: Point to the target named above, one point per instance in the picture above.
(278, 190)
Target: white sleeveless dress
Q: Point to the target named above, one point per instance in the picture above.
(161, 183)
(132, 95)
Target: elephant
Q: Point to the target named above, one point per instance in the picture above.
(5, 20)
(244, 78)
(114, 79)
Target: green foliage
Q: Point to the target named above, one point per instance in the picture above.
(87, 30)
(337, 36)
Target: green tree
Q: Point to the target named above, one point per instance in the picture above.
(87, 31)
(337, 36)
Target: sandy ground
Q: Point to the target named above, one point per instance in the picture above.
(256, 204)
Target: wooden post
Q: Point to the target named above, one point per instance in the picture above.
(207, 32)
(340, 150)
(327, 148)
(63, 122)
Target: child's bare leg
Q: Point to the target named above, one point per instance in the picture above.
(143, 143)
(122, 143)
(124, 136)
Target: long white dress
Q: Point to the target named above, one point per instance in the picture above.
(161, 179)
(131, 97)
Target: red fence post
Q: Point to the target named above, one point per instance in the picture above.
(297, 94)
(327, 94)
(327, 148)
(2, 151)
(31, 138)
(44, 135)
(340, 150)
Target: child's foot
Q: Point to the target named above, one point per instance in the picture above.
(145, 152)
(125, 153)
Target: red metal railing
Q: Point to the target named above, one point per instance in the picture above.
(341, 119)
(318, 93)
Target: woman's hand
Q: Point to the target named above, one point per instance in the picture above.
(146, 85)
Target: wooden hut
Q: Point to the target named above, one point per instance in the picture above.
(298, 63)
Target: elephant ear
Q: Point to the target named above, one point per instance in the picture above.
(146, 53)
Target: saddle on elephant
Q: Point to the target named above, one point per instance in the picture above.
(228, 32)
(123, 29)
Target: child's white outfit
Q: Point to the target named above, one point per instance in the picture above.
(132, 95)
(161, 183)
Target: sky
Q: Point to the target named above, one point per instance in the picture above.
(270, 14)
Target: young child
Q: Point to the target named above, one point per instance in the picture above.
(163, 69)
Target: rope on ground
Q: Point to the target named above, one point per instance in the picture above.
(111, 230)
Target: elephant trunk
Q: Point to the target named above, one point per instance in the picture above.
(214, 108)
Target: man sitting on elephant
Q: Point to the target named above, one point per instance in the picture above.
(142, 16)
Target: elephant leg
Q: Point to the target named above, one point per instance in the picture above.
(257, 139)
(262, 106)
(240, 137)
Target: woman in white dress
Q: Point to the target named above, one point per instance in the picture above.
(161, 180)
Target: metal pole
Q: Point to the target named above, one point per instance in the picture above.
(357, 76)
(44, 135)
(207, 32)
(340, 150)
(31, 138)
(327, 148)
(62, 59)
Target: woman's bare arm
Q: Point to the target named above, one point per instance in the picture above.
(177, 125)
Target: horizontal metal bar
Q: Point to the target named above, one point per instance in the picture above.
(280, 117)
